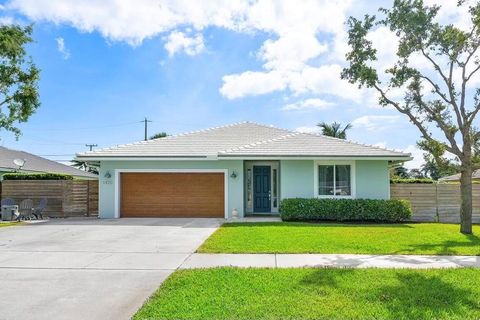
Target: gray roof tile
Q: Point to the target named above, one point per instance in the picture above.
(35, 163)
(244, 139)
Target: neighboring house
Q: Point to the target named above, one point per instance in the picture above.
(36, 164)
(246, 168)
(456, 177)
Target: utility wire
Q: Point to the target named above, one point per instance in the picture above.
(88, 128)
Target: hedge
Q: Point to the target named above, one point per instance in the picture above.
(411, 180)
(311, 209)
(36, 176)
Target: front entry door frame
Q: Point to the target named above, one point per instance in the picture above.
(274, 185)
(262, 189)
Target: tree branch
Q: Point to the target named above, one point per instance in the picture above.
(448, 82)
(473, 114)
(452, 149)
(436, 88)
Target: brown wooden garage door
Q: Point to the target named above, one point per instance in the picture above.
(172, 195)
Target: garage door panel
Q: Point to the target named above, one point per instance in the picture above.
(172, 194)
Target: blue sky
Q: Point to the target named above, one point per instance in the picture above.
(105, 68)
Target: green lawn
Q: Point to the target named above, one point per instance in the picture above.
(229, 293)
(282, 237)
(8, 224)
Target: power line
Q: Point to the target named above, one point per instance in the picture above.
(88, 128)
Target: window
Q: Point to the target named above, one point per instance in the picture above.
(274, 188)
(334, 180)
(249, 188)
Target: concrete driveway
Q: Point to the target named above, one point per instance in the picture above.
(91, 269)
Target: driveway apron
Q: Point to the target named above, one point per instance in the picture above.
(91, 268)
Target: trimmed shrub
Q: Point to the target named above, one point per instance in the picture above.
(311, 209)
(424, 180)
(36, 176)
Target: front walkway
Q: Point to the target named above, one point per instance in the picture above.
(200, 260)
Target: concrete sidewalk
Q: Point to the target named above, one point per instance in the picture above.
(199, 260)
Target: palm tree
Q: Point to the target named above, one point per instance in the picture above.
(85, 166)
(334, 129)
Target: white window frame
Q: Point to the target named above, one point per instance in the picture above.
(119, 171)
(333, 163)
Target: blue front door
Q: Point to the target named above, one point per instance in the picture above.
(261, 189)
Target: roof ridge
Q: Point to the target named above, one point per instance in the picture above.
(270, 126)
(351, 142)
(164, 138)
(261, 142)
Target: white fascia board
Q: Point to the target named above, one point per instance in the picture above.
(317, 158)
(212, 158)
(133, 158)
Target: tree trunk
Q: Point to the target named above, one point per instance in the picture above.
(466, 199)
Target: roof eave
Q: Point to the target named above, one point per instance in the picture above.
(244, 157)
(140, 157)
(319, 157)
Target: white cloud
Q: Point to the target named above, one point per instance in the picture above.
(307, 129)
(308, 104)
(253, 83)
(178, 41)
(288, 54)
(417, 155)
(62, 48)
(6, 20)
(375, 123)
(382, 144)
(303, 51)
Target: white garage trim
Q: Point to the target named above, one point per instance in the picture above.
(119, 171)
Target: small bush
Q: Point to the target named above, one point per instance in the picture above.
(423, 180)
(36, 176)
(301, 209)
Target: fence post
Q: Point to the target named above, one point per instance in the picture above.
(437, 215)
(88, 198)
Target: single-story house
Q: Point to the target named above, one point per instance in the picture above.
(36, 164)
(243, 168)
(456, 177)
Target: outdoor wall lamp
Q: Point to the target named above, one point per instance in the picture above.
(107, 175)
(234, 174)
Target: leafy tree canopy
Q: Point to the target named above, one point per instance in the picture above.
(159, 135)
(19, 76)
(440, 96)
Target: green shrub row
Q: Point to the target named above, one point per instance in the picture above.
(36, 176)
(411, 180)
(311, 209)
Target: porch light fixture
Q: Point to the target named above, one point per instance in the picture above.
(234, 174)
(107, 175)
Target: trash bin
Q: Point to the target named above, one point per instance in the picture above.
(9, 212)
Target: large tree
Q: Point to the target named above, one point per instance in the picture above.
(436, 92)
(334, 130)
(19, 77)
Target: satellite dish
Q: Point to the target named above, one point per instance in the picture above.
(19, 162)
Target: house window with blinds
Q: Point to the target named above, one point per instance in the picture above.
(334, 180)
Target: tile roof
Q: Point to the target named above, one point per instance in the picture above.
(456, 177)
(35, 163)
(244, 139)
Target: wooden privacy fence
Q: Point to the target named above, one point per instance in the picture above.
(66, 198)
(435, 202)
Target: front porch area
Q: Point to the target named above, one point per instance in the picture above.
(262, 188)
